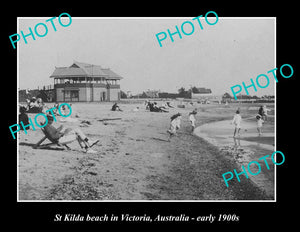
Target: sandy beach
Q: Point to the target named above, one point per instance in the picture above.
(135, 161)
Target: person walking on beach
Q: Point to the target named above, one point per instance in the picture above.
(192, 119)
(260, 122)
(237, 123)
(174, 125)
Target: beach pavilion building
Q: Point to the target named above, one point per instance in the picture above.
(83, 82)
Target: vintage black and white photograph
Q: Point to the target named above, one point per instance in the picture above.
(146, 108)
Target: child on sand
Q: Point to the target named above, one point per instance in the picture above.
(192, 119)
(260, 122)
(23, 117)
(265, 109)
(237, 122)
(175, 125)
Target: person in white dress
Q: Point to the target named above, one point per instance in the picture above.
(174, 125)
(192, 119)
(237, 119)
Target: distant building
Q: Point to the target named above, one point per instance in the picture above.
(86, 82)
(205, 95)
(201, 93)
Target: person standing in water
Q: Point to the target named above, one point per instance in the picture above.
(237, 123)
(260, 122)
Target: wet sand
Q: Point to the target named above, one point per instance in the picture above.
(247, 147)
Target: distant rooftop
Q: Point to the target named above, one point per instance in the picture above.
(202, 90)
(79, 69)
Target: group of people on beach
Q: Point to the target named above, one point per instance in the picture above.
(34, 105)
(261, 117)
(176, 122)
(153, 106)
(64, 135)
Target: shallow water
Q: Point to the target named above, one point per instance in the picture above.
(221, 133)
(247, 147)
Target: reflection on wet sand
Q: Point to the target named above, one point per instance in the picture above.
(244, 148)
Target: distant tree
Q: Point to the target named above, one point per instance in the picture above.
(181, 90)
(244, 96)
(194, 89)
(143, 95)
(226, 95)
(184, 93)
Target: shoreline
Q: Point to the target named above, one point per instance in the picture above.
(241, 151)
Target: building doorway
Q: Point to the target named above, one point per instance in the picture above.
(71, 95)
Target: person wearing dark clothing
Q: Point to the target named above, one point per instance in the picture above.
(154, 108)
(168, 103)
(23, 117)
(261, 111)
(115, 107)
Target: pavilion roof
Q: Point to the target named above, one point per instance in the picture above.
(79, 69)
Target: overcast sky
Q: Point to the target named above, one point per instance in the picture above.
(217, 57)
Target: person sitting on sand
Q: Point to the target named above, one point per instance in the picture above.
(149, 106)
(67, 135)
(192, 119)
(237, 122)
(169, 105)
(154, 108)
(115, 107)
(174, 125)
(33, 103)
(146, 103)
(164, 106)
(39, 102)
(260, 122)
